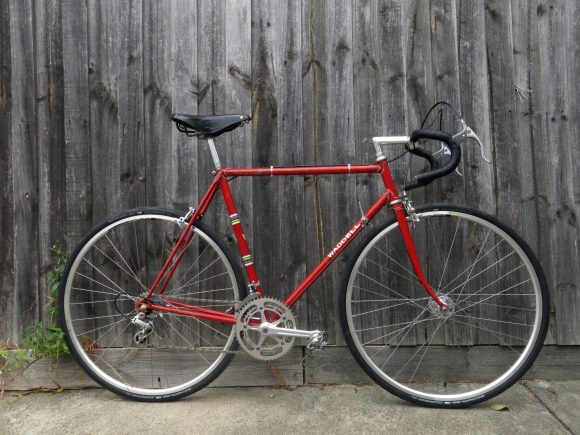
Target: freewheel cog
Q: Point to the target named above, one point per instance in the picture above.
(254, 321)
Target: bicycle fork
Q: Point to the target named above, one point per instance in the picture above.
(401, 213)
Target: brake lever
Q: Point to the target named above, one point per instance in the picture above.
(444, 150)
(468, 133)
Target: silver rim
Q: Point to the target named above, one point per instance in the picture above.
(115, 267)
(490, 286)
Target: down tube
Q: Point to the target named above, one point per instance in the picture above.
(340, 246)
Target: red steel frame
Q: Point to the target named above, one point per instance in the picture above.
(389, 197)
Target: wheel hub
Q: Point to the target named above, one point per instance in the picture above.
(442, 313)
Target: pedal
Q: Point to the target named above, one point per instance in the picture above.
(317, 341)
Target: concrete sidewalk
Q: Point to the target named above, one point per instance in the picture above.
(538, 407)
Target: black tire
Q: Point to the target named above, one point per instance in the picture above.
(420, 329)
(83, 355)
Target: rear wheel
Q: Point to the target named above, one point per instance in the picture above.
(112, 268)
(494, 325)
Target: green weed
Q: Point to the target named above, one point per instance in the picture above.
(39, 340)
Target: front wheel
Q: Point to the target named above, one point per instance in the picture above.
(489, 335)
(163, 356)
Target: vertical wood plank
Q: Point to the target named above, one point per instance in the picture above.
(498, 28)
(265, 149)
(236, 146)
(7, 288)
(555, 160)
(420, 84)
(340, 116)
(50, 140)
(394, 122)
(571, 300)
(287, 55)
(183, 151)
(211, 99)
(368, 103)
(475, 104)
(504, 123)
(157, 100)
(420, 96)
(368, 117)
(530, 131)
(379, 96)
(315, 104)
(521, 21)
(130, 105)
(367, 74)
(573, 42)
(184, 60)
(541, 240)
(104, 55)
(445, 61)
(24, 164)
(78, 174)
(211, 74)
(393, 68)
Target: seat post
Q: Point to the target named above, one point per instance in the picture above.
(214, 154)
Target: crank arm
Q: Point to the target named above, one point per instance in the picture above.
(271, 329)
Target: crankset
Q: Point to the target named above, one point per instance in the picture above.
(266, 329)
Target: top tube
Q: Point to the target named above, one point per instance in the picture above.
(302, 170)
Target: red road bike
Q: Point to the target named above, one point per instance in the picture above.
(441, 305)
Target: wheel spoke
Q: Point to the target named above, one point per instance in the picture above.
(389, 289)
(501, 293)
(413, 278)
(491, 283)
(484, 256)
(176, 354)
(472, 267)
(423, 346)
(131, 273)
(449, 254)
(412, 346)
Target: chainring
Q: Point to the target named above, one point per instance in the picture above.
(251, 315)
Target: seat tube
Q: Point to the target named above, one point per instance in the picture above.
(240, 237)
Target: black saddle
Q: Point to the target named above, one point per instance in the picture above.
(206, 126)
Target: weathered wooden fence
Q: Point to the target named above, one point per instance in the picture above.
(87, 87)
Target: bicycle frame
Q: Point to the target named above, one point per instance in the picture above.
(389, 197)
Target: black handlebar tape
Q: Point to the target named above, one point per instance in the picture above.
(425, 154)
(426, 133)
(427, 177)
